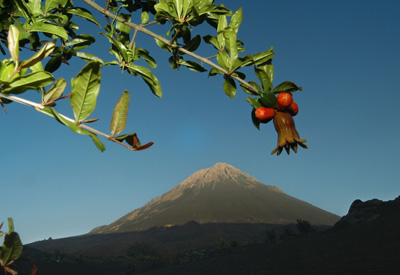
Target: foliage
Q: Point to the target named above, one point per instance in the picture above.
(304, 227)
(11, 249)
(48, 29)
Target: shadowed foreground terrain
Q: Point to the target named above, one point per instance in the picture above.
(365, 241)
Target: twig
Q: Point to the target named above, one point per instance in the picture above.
(166, 41)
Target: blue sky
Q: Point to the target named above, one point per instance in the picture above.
(343, 53)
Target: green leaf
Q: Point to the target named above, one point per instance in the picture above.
(34, 7)
(54, 63)
(13, 43)
(223, 60)
(75, 128)
(12, 248)
(268, 99)
(214, 72)
(80, 40)
(144, 17)
(52, 4)
(49, 28)
(90, 57)
(150, 79)
(263, 57)
(47, 49)
(193, 66)
(120, 114)
(143, 53)
(231, 45)
(254, 102)
(254, 119)
(264, 79)
(84, 91)
(55, 91)
(286, 86)
(212, 40)
(250, 91)
(163, 46)
(229, 87)
(30, 81)
(84, 13)
(121, 49)
(236, 20)
(193, 44)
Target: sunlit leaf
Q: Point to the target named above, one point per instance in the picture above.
(51, 4)
(13, 43)
(144, 17)
(193, 66)
(49, 28)
(84, 91)
(120, 114)
(236, 20)
(47, 49)
(27, 82)
(55, 91)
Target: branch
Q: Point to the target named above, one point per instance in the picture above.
(166, 41)
(38, 106)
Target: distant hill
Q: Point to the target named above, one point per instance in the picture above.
(220, 194)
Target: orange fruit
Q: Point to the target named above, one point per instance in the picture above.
(285, 99)
(265, 114)
(293, 108)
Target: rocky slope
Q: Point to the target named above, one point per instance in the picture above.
(220, 194)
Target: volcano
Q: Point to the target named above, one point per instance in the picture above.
(220, 194)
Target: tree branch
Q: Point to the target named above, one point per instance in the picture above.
(166, 41)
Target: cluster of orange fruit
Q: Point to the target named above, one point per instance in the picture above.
(284, 103)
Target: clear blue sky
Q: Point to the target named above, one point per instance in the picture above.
(345, 55)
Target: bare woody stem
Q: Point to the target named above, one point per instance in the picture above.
(38, 106)
(166, 41)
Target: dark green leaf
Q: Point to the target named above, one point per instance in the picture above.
(287, 86)
(212, 40)
(54, 63)
(120, 114)
(12, 248)
(193, 44)
(251, 91)
(89, 57)
(263, 57)
(255, 120)
(163, 46)
(268, 99)
(229, 87)
(254, 102)
(264, 79)
(191, 65)
(84, 13)
(150, 79)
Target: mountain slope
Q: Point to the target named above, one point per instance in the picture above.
(220, 194)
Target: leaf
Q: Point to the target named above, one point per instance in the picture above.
(254, 102)
(231, 45)
(51, 4)
(27, 82)
(75, 128)
(120, 114)
(47, 49)
(84, 13)
(84, 91)
(49, 28)
(133, 141)
(81, 40)
(150, 79)
(54, 63)
(263, 57)
(163, 46)
(34, 7)
(264, 79)
(229, 87)
(268, 99)
(90, 57)
(212, 40)
(193, 66)
(12, 248)
(250, 91)
(144, 17)
(143, 53)
(55, 91)
(223, 60)
(254, 119)
(193, 44)
(122, 50)
(13, 43)
(236, 20)
(286, 86)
